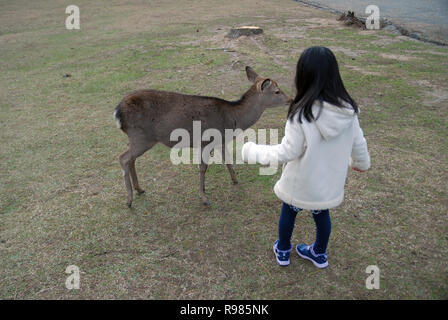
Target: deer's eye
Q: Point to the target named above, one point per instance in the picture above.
(277, 92)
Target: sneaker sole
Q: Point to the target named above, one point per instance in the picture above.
(280, 263)
(318, 265)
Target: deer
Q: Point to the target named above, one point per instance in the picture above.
(149, 116)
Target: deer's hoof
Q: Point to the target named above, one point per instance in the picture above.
(234, 182)
(140, 192)
(129, 203)
(205, 202)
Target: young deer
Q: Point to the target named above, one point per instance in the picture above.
(149, 117)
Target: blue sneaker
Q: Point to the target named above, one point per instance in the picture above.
(307, 252)
(282, 256)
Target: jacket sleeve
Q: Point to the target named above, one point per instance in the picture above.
(360, 153)
(291, 147)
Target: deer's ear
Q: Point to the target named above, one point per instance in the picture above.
(266, 83)
(251, 74)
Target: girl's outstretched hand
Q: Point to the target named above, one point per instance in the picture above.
(246, 155)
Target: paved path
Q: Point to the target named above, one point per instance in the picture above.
(426, 18)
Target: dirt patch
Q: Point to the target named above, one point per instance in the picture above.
(347, 51)
(362, 71)
(399, 57)
(323, 22)
(285, 34)
(437, 97)
(383, 40)
(440, 53)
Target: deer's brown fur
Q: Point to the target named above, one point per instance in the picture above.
(149, 117)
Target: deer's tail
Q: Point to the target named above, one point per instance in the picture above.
(118, 117)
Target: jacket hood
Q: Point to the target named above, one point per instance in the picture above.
(332, 120)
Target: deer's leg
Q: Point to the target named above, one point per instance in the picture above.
(127, 161)
(202, 170)
(232, 174)
(134, 178)
(138, 152)
(225, 156)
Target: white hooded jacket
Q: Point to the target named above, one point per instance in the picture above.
(317, 156)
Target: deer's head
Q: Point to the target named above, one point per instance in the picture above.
(268, 91)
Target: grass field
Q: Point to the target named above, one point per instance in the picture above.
(62, 198)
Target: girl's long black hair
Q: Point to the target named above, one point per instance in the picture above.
(318, 78)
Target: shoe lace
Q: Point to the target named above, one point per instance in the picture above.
(317, 255)
(283, 254)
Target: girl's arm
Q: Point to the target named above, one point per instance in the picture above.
(291, 147)
(360, 153)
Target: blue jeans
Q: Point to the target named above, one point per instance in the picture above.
(286, 226)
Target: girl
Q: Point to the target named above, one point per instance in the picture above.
(322, 139)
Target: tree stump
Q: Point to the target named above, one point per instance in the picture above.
(244, 31)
